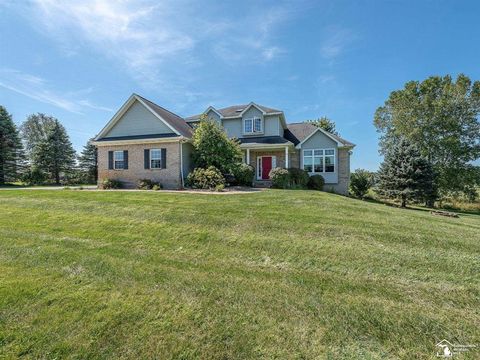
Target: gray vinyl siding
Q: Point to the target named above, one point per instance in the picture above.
(271, 124)
(138, 120)
(214, 116)
(321, 141)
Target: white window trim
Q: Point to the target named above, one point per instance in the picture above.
(253, 125)
(259, 165)
(150, 159)
(323, 161)
(115, 161)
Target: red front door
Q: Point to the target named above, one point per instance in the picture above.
(266, 167)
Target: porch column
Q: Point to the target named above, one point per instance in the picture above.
(286, 157)
(248, 156)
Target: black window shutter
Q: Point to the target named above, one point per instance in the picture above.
(125, 159)
(146, 158)
(110, 160)
(164, 158)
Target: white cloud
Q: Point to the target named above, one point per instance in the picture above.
(38, 89)
(336, 42)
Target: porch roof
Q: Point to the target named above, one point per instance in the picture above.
(266, 141)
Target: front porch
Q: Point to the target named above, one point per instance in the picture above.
(265, 158)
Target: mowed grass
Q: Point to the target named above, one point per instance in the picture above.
(276, 274)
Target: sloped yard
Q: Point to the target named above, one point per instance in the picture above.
(275, 274)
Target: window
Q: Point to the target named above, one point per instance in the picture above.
(155, 158)
(252, 126)
(319, 160)
(118, 160)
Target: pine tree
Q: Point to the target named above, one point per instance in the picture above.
(55, 154)
(88, 162)
(325, 124)
(406, 175)
(10, 148)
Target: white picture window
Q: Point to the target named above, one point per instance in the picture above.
(319, 160)
(253, 125)
(118, 160)
(155, 158)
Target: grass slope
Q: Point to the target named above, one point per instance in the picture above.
(277, 274)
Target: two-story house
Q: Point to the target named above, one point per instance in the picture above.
(145, 141)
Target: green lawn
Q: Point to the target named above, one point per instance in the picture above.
(276, 274)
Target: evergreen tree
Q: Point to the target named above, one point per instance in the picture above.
(10, 148)
(325, 124)
(406, 175)
(55, 154)
(88, 163)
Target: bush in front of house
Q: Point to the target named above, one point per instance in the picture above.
(147, 184)
(280, 178)
(243, 174)
(209, 178)
(316, 182)
(360, 182)
(108, 184)
(298, 178)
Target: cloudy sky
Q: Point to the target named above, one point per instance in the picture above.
(80, 60)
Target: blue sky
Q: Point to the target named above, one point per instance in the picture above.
(80, 60)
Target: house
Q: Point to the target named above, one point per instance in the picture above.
(146, 141)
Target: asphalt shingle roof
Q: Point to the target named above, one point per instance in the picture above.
(235, 110)
(297, 132)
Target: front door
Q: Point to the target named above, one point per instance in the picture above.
(266, 167)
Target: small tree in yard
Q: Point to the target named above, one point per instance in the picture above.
(10, 148)
(212, 147)
(55, 154)
(87, 162)
(360, 182)
(406, 175)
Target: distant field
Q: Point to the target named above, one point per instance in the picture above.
(276, 274)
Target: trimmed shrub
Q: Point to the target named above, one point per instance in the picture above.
(157, 187)
(280, 178)
(208, 178)
(360, 182)
(298, 178)
(111, 184)
(316, 182)
(244, 174)
(147, 184)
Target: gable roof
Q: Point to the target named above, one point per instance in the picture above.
(236, 111)
(298, 133)
(174, 122)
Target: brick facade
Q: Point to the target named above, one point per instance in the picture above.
(170, 177)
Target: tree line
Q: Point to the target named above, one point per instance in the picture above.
(40, 152)
(430, 138)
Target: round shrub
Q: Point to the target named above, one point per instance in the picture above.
(280, 178)
(147, 184)
(360, 182)
(208, 178)
(244, 174)
(298, 178)
(316, 182)
(111, 184)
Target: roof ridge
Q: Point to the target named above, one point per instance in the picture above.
(161, 107)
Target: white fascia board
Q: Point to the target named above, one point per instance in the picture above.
(339, 144)
(139, 141)
(116, 117)
(158, 116)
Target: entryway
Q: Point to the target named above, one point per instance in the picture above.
(264, 165)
